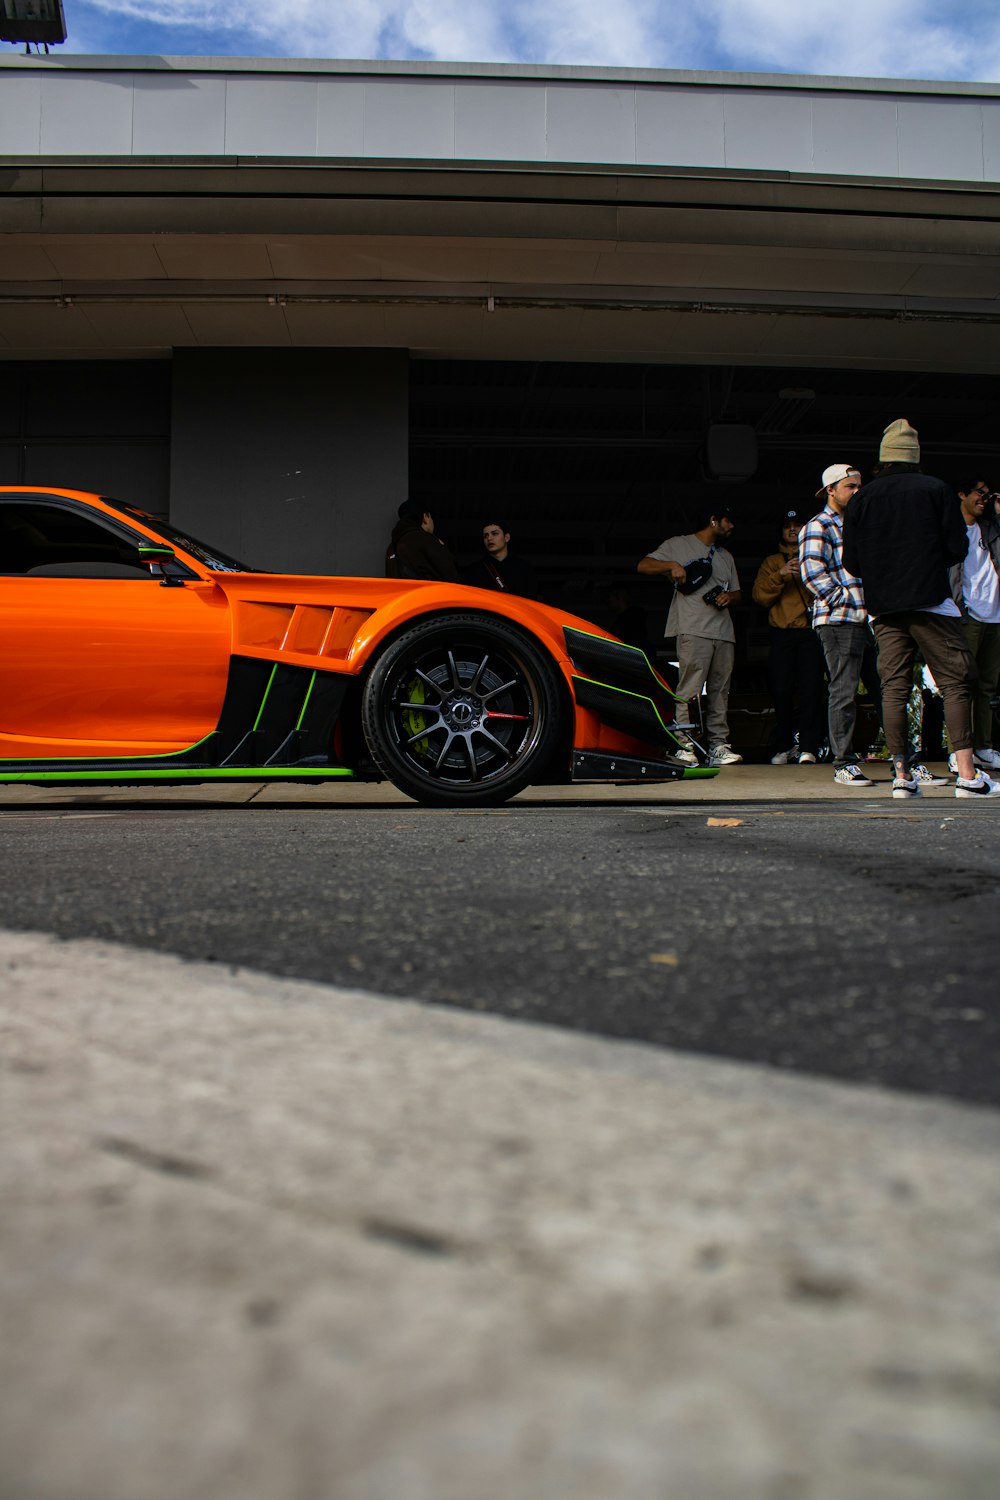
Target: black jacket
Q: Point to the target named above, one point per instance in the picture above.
(416, 553)
(513, 575)
(902, 532)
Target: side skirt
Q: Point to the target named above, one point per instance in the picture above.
(276, 724)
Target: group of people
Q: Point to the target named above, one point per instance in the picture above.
(888, 570)
(899, 568)
(414, 551)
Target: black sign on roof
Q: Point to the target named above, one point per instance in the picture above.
(38, 21)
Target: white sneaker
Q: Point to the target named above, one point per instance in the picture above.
(982, 786)
(722, 755)
(686, 757)
(904, 788)
(807, 758)
(953, 763)
(782, 758)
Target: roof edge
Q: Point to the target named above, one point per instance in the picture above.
(340, 67)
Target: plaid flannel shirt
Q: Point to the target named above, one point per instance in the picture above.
(838, 596)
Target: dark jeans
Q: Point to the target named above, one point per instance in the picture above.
(931, 725)
(795, 669)
(846, 648)
(941, 642)
(984, 643)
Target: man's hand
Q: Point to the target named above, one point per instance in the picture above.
(790, 569)
(724, 600)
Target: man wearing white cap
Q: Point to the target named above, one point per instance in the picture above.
(902, 534)
(840, 618)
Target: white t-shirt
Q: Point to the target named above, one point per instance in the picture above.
(980, 584)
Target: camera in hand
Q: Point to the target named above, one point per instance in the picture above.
(711, 596)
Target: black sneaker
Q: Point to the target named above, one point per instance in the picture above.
(919, 772)
(851, 776)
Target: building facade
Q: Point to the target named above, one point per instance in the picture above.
(273, 298)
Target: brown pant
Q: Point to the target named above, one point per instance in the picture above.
(940, 640)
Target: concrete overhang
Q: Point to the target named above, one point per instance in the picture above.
(122, 255)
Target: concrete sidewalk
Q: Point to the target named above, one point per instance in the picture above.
(745, 783)
(269, 1240)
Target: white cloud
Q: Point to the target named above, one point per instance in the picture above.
(608, 33)
(861, 38)
(852, 38)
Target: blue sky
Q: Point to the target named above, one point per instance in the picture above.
(852, 38)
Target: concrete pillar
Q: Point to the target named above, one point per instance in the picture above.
(292, 460)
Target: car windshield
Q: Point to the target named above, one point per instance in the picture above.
(219, 562)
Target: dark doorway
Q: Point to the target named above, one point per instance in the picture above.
(592, 465)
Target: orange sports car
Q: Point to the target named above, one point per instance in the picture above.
(134, 654)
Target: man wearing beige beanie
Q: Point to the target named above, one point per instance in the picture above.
(900, 444)
(903, 531)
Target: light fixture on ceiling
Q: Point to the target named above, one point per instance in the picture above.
(790, 407)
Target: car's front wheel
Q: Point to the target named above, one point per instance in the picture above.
(462, 710)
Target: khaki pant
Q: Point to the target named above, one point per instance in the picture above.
(708, 664)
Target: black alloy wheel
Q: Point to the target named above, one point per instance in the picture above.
(463, 710)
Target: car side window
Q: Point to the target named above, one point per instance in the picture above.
(55, 541)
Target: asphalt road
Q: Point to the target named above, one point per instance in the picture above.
(831, 939)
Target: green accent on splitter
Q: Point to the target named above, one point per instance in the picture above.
(204, 773)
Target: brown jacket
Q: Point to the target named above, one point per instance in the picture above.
(787, 600)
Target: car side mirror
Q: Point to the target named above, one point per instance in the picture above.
(157, 555)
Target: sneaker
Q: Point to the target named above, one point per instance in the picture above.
(953, 764)
(807, 758)
(722, 755)
(686, 757)
(982, 786)
(903, 788)
(920, 773)
(782, 758)
(851, 776)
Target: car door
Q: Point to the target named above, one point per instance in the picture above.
(97, 657)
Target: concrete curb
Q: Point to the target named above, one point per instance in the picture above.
(746, 783)
(274, 1240)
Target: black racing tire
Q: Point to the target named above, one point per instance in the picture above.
(463, 710)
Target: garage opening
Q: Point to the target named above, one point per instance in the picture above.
(592, 465)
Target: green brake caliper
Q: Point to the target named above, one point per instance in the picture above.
(413, 720)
